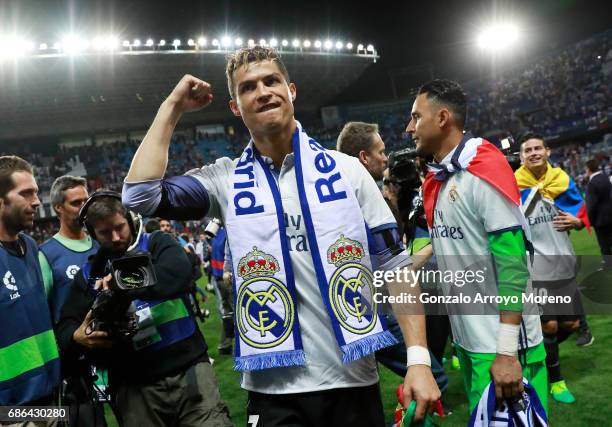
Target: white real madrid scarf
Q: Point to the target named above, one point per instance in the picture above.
(267, 324)
(524, 412)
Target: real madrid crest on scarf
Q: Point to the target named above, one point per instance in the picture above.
(266, 312)
(264, 285)
(351, 288)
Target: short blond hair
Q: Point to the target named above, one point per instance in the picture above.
(248, 55)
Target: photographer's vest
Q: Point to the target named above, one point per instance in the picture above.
(161, 323)
(65, 263)
(217, 254)
(29, 361)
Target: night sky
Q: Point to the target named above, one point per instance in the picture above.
(407, 34)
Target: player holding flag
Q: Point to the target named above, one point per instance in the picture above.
(472, 206)
(553, 205)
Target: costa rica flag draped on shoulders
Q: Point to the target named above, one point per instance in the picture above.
(482, 159)
(555, 185)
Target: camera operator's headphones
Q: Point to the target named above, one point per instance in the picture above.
(131, 217)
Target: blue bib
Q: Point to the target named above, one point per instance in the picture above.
(29, 360)
(65, 263)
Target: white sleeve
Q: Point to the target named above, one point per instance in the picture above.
(375, 210)
(496, 212)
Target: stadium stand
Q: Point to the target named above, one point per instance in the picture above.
(566, 96)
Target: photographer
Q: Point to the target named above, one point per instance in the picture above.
(159, 372)
(403, 183)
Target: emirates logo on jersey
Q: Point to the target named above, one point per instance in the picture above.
(11, 284)
(71, 271)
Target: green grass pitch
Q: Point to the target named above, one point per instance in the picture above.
(588, 371)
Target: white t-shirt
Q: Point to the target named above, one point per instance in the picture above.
(554, 254)
(466, 211)
(324, 368)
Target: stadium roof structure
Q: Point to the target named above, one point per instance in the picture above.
(95, 93)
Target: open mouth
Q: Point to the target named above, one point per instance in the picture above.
(268, 107)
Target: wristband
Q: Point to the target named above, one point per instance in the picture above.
(507, 339)
(418, 355)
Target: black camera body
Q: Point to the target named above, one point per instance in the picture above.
(404, 173)
(403, 170)
(112, 309)
(510, 150)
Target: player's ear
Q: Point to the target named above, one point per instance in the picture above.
(444, 117)
(292, 91)
(234, 107)
(363, 157)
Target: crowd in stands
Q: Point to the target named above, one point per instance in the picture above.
(566, 91)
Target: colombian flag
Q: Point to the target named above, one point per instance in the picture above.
(555, 185)
(482, 159)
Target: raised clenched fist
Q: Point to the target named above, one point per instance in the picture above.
(190, 94)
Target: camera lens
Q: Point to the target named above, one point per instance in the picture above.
(132, 278)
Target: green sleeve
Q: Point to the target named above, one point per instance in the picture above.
(509, 254)
(47, 273)
(417, 244)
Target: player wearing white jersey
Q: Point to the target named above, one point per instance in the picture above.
(546, 194)
(471, 201)
(305, 380)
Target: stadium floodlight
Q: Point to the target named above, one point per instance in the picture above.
(43, 46)
(238, 42)
(149, 42)
(251, 42)
(190, 42)
(215, 43)
(295, 43)
(359, 47)
(111, 43)
(262, 42)
(126, 43)
(285, 42)
(370, 48)
(339, 45)
(226, 41)
(176, 43)
(105, 43)
(98, 43)
(349, 46)
(73, 45)
(202, 41)
(328, 44)
(317, 44)
(306, 43)
(162, 42)
(8, 48)
(273, 42)
(498, 37)
(136, 43)
(15, 47)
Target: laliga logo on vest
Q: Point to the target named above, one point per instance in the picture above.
(72, 270)
(265, 312)
(11, 284)
(351, 287)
